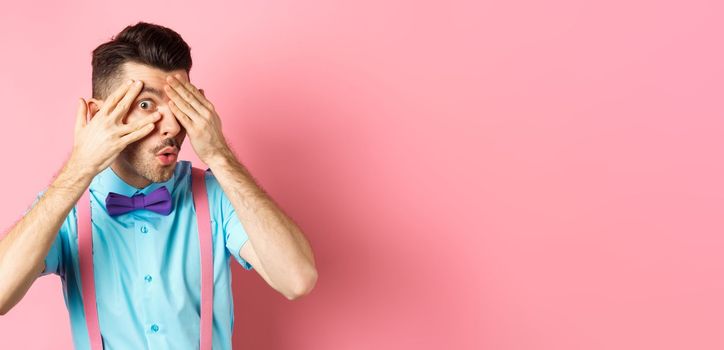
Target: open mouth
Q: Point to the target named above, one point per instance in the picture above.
(166, 158)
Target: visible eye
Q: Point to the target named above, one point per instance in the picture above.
(146, 104)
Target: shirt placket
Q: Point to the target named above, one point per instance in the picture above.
(149, 279)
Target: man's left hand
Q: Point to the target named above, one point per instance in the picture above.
(198, 117)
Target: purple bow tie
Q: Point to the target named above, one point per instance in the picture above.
(158, 201)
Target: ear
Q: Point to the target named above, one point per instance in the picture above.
(94, 105)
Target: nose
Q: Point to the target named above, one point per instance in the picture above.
(168, 125)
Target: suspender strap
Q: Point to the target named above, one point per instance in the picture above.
(85, 259)
(201, 203)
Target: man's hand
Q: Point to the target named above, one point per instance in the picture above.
(98, 142)
(277, 242)
(198, 117)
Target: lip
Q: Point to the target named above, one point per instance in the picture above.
(167, 159)
(172, 150)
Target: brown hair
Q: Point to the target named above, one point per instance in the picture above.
(144, 43)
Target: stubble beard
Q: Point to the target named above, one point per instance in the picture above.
(146, 164)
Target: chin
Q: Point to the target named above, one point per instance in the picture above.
(158, 173)
(166, 173)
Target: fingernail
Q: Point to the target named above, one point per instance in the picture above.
(129, 82)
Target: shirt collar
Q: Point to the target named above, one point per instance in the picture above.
(108, 181)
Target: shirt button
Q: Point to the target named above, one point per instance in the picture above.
(148, 278)
(154, 328)
(144, 229)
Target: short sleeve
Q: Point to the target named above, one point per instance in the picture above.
(53, 260)
(234, 231)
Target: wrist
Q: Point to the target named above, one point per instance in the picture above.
(72, 180)
(76, 172)
(219, 159)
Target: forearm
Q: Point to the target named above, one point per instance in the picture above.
(23, 249)
(278, 242)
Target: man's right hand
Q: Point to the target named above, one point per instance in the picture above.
(99, 141)
(97, 144)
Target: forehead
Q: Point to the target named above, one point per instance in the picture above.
(150, 76)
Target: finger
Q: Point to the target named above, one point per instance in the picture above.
(115, 97)
(181, 103)
(182, 117)
(183, 94)
(201, 97)
(194, 91)
(152, 118)
(121, 109)
(81, 114)
(137, 134)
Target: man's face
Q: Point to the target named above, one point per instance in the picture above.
(138, 163)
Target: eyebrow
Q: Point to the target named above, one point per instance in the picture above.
(151, 90)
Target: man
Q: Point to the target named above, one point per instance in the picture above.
(147, 263)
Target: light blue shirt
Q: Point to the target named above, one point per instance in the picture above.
(147, 266)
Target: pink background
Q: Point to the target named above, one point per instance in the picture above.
(471, 175)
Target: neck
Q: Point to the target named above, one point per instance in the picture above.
(129, 175)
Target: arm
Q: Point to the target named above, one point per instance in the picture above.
(276, 248)
(97, 143)
(278, 244)
(24, 248)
